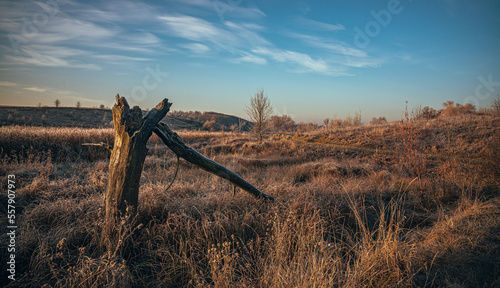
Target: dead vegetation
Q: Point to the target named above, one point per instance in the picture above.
(349, 212)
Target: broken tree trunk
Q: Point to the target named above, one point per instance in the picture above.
(128, 153)
(175, 143)
(132, 132)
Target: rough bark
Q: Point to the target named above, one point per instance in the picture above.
(175, 143)
(132, 132)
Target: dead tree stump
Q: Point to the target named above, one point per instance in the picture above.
(132, 132)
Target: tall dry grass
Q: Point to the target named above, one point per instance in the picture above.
(343, 217)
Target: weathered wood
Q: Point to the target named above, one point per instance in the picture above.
(175, 143)
(132, 132)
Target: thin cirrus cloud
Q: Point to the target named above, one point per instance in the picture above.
(245, 43)
(119, 58)
(227, 36)
(35, 89)
(235, 38)
(237, 11)
(49, 56)
(191, 28)
(317, 25)
(8, 84)
(197, 48)
(71, 38)
(330, 45)
(301, 59)
(89, 37)
(250, 58)
(346, 56)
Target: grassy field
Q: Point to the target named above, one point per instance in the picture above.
(403, 204)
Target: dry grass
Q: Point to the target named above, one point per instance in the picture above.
(344, 217)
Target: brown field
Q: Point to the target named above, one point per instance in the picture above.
(403, 204)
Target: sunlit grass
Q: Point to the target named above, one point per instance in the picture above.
(342, 218)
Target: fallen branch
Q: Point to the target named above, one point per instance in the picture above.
(175, 143)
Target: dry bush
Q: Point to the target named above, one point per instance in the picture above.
(459, 249)
(455, 110)
(283, 123)
(495, 105)
(382, 258)
(378, 121)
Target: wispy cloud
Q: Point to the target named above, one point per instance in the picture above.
(361, 62)
(44, 58)
(93, 36)
(19, 87)
(246, 40)
(303, 60)
(339, 53)
(197, 48)
(249, 58)
(191, 28)
(221, 8)
(331, 45)
(69, 29)
(247, 33)
(8, 84)
(317, 25)
(236, 11)
(44, 90)
(35, 89)
(97, 32)
(226, 36)
(119, 58)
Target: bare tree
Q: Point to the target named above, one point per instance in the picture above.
(326, 122)
(78, 105)
(57, 103)
(496, 104)
(357, 119)
(259, 111)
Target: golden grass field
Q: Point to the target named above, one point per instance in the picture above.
(403, 204)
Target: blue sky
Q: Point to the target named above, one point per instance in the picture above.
(314, 59)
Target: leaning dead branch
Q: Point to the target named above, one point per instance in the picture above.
(175, 143)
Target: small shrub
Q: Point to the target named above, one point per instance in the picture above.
(378, 121)
(282, 123)
(209, 125)
(455, 110)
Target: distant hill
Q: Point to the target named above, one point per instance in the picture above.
(99, 118)
(221, 121)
